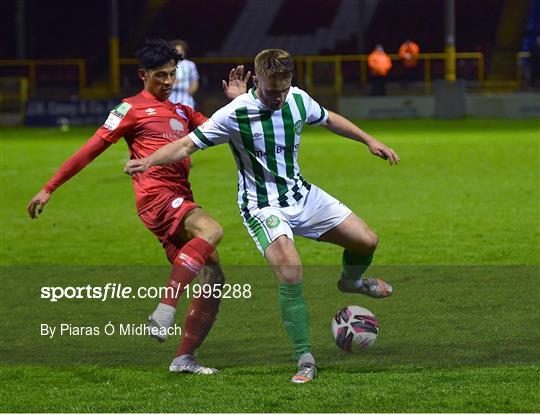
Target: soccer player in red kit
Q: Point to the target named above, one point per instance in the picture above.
(164, 200)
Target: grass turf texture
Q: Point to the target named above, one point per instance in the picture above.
(452, 338)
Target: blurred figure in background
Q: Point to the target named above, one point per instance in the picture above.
(379, 64)
(187, 77)
(408, 52)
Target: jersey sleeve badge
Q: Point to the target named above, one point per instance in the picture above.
(116, 115)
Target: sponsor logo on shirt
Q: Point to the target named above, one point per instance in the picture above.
(257, 136)
(176, 203)
(291, 148)
(150, 111)
(176, 125)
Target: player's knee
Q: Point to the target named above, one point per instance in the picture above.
(216, 233)
(372, 241)
(367, 244)
(212, 233)
(290, 278)
(288, 274)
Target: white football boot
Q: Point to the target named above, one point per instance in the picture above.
(160, 321)
(187, 363)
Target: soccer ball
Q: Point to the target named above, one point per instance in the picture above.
(354, 328)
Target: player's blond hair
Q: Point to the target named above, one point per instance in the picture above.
(274, 63)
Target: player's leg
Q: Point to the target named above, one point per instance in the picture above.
(283, 258)
(196, 236)
(201, 235)
(271, 231)
(360, 243)
(200, 318)
(325, 218)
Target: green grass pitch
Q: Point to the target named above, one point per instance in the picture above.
(458, 223)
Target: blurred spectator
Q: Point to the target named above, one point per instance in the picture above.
(379, 64)
(535, 62)
(187, 77)
(408, 52)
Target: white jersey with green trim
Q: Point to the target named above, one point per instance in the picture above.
(265, 145)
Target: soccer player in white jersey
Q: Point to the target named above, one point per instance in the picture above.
(187, 77)
(263, 128)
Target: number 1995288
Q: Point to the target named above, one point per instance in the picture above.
(235, 291)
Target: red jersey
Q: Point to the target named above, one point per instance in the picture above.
(147, 125)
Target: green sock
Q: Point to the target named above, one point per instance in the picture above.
(295, 316)
(354, 265)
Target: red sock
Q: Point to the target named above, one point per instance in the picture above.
(186, 266)
(199, 320)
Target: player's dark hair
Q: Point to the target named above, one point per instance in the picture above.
(156, 53)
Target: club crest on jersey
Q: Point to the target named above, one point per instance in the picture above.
(176, 125)
(272, 221)
(181, 114)
(176, 203)
(298, 126)
(150, 111)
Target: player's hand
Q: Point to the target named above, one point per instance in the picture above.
(136, 166)
(386, 153)
(38, 202)
(237, 84)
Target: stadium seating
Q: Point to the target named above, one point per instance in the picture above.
(245, 27)
(277, 24)
(286, 20)
(200, 22)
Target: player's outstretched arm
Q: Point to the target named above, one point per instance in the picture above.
(237, 84)
(342, 126)
(171, 153)
(88, 152)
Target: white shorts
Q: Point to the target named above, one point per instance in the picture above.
(314, 215)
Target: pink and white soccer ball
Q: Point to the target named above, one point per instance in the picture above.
(354, 328)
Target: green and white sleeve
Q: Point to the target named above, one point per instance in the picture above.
(212, 132)
(316, 114)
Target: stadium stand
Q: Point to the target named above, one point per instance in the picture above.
(423, 20)
(286, 20)
(244, 27)
(200, 22)
(272, 24)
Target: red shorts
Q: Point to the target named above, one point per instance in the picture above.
(163, 218)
